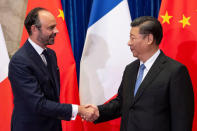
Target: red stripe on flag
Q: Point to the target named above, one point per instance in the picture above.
(6, 105)
(113, 125)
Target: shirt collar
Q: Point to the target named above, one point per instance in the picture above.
(38, 49)
(151, 60)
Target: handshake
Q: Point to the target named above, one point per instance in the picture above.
(88, 112)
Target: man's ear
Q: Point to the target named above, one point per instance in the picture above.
(150, 39)
(34, 29)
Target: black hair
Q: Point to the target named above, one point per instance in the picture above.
(32, 18)
(149, 25)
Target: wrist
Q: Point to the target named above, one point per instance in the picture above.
(80, 110)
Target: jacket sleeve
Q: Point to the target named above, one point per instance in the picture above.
(181, 100)
(111, 110)
(26, 86)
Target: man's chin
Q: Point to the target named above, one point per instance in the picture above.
(134, 54)
(51, 42)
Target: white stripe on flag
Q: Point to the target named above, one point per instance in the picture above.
(105, 56)
(3, 57)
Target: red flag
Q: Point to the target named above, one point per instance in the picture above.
(179, 21)
(6, 104)
(65, 59)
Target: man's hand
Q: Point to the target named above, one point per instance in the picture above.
(96, 111)
(88, 112)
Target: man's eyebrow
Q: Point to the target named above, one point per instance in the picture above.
(52, 26)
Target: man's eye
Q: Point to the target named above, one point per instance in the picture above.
(132, 38)
(51, 28)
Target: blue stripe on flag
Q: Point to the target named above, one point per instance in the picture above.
(100, 8)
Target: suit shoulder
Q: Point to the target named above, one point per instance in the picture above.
(175, 66)
(174, 63)
(130, 65)
(22, 55)
(19, 55)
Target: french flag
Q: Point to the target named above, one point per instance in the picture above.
(105, 56)
(6, 104)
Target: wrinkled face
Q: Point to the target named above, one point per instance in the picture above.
(48, 30)
(137, 42)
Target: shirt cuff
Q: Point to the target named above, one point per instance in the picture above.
(74, 111)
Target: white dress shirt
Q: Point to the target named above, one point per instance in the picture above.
(39, 50)
(148, 64)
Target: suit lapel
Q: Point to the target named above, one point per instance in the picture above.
(54, 69)
(156, 68)
(35, 57)
(133, 71)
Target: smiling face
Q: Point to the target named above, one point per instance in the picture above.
(47, 32)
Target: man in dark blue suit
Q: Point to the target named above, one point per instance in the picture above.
(34, 76)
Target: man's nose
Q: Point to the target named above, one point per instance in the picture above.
(129, 43)
(56, 30)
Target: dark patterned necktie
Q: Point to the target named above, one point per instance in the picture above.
(46, 55)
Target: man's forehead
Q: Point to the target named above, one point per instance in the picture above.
(134, 30)
(46, 17)
(45, 14)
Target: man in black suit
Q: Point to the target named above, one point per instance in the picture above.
(34, 76)
(156, 92)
